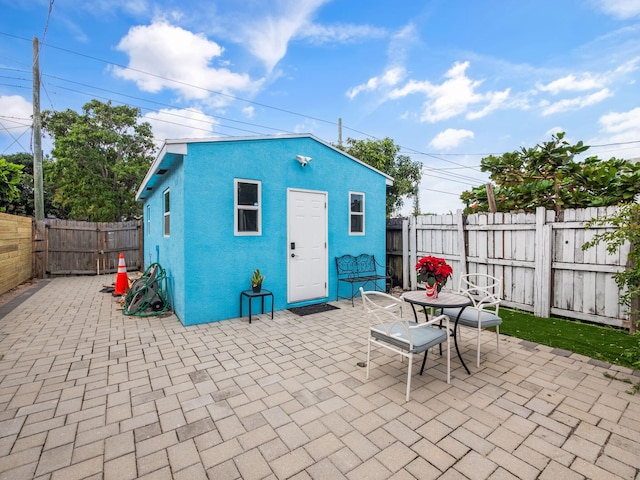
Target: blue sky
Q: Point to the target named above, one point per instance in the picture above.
(450, 81)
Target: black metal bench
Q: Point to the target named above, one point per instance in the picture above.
(362, 269)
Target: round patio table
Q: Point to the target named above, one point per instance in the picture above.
(443, 300)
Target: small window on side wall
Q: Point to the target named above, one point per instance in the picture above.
(167, 210)
(248, 207)
(356, 213)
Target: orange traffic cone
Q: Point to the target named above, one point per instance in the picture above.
(122, 280)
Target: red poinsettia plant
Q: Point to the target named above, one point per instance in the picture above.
(433, 270)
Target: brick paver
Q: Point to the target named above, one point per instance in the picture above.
(86, 392)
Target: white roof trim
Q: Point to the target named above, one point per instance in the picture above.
(178, 146)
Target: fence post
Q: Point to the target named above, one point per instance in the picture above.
(413, 258)
(405, 254)
(39, 261)
(462, 243)
(543, 256)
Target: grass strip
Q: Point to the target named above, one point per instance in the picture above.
(604, 343)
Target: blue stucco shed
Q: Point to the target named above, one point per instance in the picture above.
(215, 209)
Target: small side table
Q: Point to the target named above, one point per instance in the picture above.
(250, 294)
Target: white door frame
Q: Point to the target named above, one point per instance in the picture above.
(323, 292)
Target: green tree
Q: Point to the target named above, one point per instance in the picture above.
(384, 156)
(100, 158)
(23, 204)
(548, 176)
(10, 176)
(626, 228)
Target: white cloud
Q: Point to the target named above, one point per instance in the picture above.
(621, 128)
(180, 123)
(249, 111)
(624, 126)
(590, 81)
(15, 116)
(622, 9)
(494, 100)
(459, 94)
(454, 96)
(268, 36)
(628, 67)
(266, 29)
(584, 82)
(389, 78)
(400, 42)
(450, 138)
(340, 33)
(575, 103)
(308, 126)
(395, 71)
(554, 131)
(571, 82)
(164, 56)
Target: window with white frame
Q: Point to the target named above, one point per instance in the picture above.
(167, 210)
(148, 220)
(356, 213)
(248, 207)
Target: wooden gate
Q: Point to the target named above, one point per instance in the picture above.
(89, 248)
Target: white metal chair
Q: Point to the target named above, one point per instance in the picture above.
(484, 291)
(387, 329)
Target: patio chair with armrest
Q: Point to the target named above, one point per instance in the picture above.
(484, 291)
(389, 330)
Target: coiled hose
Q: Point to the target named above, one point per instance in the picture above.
(148, 294)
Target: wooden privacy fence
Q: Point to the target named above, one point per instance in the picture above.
(15, 251)
(539, 256)
(85, 248)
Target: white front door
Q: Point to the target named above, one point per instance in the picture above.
(307, 245)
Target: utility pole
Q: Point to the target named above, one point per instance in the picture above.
(340, 131)
(491, 198)
(38, 194)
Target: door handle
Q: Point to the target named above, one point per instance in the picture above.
(293, 255)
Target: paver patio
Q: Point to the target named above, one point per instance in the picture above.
(86, 392)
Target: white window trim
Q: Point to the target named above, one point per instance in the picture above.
(166, 213)
(237, 207)
(357, 213)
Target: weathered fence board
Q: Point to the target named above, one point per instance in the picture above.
(85, 248)
(538, 255)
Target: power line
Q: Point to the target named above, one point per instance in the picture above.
(185, 84)
(330, 122)
(475, 181)
(472, 179)
(440, 191)
(290, 112)
(13, 86)
(154, 102)
(46, 25)
(436, 156)
(15, 139)
(614, 144)
(176, 115)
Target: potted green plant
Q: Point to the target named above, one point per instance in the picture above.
(256, 280)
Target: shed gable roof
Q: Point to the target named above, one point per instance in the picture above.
(174, 149)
